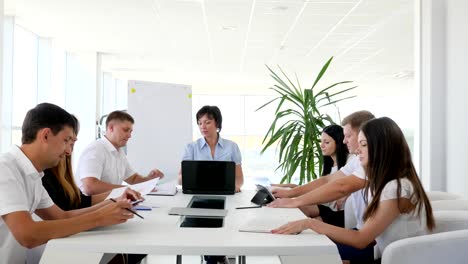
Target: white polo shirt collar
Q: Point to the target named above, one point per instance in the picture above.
(109, 146)
(25, 163)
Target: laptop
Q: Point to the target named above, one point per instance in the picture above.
(208, 177)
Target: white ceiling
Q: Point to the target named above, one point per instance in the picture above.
(222, 46)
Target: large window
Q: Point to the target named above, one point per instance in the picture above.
(247, 127)
(24, 78)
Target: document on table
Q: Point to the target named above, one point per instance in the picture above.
(165, 189)
(143, 188)
(261, 225)
(268, 219)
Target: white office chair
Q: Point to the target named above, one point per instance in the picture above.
(438, 195)
(447, 243)
(446, 247)
(449, 205)
(450, 220)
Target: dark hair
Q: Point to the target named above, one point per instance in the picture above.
(120, 116)
(45, 115)
(335, 132)
(356, 119)
(389, 158)
(213, 112)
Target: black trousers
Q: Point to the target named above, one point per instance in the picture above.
(331, 217)
(214, 259)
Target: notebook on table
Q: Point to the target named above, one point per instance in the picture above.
(208, 177)
(165, 189)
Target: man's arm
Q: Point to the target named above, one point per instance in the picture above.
(92, 186)
(179, 177)
(333, 190)
(239, 178)
(128, 194)
(325, 193)
(30, 233)
(303, 189)
(137, 178)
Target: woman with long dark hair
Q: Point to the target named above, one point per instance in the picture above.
(335, 155)
(397, 205)
(334, 151)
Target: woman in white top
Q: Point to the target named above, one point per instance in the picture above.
(397, 206)
(335, 155)
(335, 152)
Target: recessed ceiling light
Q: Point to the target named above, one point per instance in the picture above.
(279, 8)
(229, 28)
(405, 74)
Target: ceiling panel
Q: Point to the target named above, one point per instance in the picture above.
(370, 39)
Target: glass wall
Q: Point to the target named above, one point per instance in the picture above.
(247, 127)
(36, 71)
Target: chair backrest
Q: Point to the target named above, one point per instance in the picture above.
(450, 220)
(438, 195)
(448, 205)
(446, 247)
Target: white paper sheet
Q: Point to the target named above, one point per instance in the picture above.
(143, 188)
(165, 189)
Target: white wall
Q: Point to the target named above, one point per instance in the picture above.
(433, 103)
(444, 84)
(6, 77)
(457, 96)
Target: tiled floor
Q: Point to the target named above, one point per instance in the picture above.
(153, 259)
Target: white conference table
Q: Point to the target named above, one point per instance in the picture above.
(161, 234)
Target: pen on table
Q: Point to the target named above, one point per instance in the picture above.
(249, 207)
(130, 210)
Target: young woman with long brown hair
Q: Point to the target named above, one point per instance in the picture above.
(397, 206)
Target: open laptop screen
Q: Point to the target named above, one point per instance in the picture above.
(208, 177)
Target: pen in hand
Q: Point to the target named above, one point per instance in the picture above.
(130, 210)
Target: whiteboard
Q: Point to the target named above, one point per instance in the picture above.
(163, 126)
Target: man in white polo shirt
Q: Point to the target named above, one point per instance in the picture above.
(103, 165)
(47, 134)
(350, 179)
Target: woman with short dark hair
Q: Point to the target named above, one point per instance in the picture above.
(211, 146)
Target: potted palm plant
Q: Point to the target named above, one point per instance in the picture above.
(298, 123)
